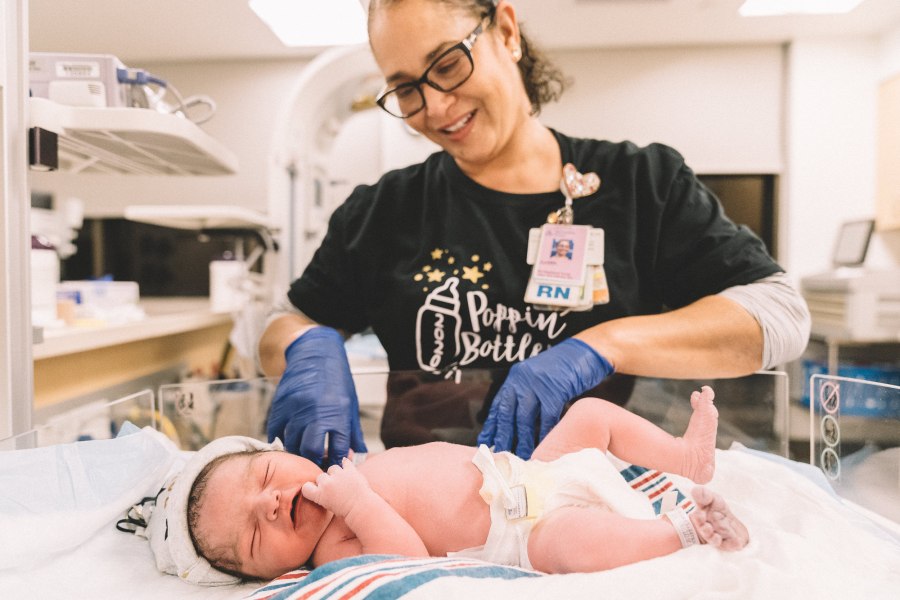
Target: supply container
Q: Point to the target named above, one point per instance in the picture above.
(227, 275)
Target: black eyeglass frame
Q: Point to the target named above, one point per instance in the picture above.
(465, 45)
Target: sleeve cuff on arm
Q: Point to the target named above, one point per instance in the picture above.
(781, 312)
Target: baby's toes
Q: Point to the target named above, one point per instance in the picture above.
(710, 535)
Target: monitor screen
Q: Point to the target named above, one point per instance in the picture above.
(852, 243)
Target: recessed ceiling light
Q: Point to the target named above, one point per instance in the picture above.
(313, 22)
(768, 8)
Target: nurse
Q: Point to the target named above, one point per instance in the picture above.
(437, 259)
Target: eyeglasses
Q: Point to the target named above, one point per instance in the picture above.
(446, 73)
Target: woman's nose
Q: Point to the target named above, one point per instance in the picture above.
(436, 102)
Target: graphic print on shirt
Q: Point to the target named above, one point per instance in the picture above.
(455, 325)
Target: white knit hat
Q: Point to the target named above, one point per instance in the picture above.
(167, 523)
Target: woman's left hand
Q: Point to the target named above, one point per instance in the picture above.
(536, 390)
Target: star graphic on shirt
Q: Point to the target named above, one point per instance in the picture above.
(437, 253)
(473, 274)
(488, 266)
(436, 275)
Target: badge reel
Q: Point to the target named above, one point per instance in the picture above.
(567, 259)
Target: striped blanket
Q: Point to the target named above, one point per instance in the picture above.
(375, 576)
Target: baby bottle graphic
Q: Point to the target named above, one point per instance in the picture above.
(437, 327)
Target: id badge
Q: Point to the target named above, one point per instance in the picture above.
(567, 259)
(567, 267)
(559, 266)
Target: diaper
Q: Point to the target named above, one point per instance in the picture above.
(520, 492)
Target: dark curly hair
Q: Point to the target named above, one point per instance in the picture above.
(543, 81)
(223, 559)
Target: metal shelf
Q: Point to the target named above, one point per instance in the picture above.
(129, 141)
(199, 217)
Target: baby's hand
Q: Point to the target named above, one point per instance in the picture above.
(338, 489)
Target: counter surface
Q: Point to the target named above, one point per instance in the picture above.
(165, 316)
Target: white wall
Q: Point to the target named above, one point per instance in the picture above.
(830, 140)
(807, 112)
(831, 117)
(889, 54)
(719, 106)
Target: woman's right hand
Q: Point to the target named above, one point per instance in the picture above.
(316, 397)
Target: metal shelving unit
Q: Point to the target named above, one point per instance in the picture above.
(129, 141)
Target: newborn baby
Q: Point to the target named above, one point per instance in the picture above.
(261, 513)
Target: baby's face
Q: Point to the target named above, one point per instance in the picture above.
(252, 508)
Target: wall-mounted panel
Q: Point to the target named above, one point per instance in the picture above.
(888, 178)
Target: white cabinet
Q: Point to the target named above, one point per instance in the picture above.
(15, 301)
(126, 141)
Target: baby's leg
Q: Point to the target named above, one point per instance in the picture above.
(580, 539)
(595, 423)
(715, 523)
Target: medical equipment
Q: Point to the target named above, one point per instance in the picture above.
(247, 293)
(102, 80)
(788, 507)
(201, 411)
(77, 79)
(102, 300)
(854, 303)
(53, 233)
(59, 226)
(869, 476)
(850, 301)
(44, 280)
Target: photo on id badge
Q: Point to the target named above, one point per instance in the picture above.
(561, 254)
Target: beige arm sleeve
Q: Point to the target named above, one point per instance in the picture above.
(781, 312)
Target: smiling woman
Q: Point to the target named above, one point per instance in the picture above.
(456, 236)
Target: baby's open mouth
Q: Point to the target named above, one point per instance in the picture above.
(294, 512)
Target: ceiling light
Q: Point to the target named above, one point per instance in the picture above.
(768, 8)
(313, 22)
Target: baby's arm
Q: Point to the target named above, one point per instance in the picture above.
(378, 527)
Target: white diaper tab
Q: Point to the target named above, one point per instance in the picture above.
(520, 492)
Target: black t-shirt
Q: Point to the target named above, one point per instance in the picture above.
(436, 265)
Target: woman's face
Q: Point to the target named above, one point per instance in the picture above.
(476, 121)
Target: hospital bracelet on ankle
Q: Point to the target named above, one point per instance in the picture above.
(683, 527)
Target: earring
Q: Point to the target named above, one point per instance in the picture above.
(516, 53)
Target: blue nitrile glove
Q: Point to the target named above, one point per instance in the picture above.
(538, 389)
(316, 397)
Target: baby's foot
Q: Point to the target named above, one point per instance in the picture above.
(715, 523)
(699, 461)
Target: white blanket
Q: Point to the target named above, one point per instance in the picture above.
(805, 543)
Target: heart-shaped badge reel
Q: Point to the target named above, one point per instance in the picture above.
(578, 185)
